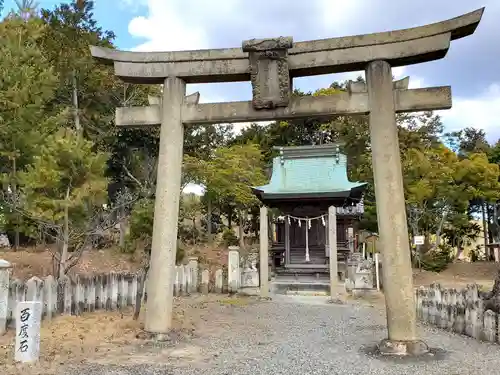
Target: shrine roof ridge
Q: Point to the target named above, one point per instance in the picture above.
(458, 27)
(318, 151)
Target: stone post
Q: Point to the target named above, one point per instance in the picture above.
(391, 214)
(168, 184)
(193, 265)
(5, 270)
(332, 249)
(264, 253)
(219, 281)
(205, 281)
(233, 269)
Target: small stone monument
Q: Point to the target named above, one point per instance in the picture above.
(233, 274)
(250, 273)
(363, 277)
(28, 321)
(4, 241)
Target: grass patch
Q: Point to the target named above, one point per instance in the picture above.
(234, 301)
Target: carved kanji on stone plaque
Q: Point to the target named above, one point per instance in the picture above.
(269, 72)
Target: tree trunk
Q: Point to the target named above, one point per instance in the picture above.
(209, 220)
(229, 214)
(17, 215)
(65, 244)
(440, 228)
(76, 111)
(485, 229)
(241, 232)
(496, 236)
(123, 232)
(139, 297)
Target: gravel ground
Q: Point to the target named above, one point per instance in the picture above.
(298, 335)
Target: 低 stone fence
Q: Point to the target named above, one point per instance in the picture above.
(113, 291)
(459, 311)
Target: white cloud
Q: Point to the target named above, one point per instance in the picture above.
(480, 112)
(173, 25)
(165, 30)
(194, 189)
(183, 25)
(132, 6)
(337, 14)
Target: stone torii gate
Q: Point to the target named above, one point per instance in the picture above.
(271, 65)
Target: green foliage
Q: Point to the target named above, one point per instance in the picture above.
(141, 221)
(71, 28)
(436, 260)
(66, 173)
(229, 238)
(27, 84)
(141, 228)
(233, 171)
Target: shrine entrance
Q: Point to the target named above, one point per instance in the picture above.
(271, 65)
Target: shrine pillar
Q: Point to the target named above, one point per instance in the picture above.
(391, 214)
(264, 253)
(332, 248)
(287, 240)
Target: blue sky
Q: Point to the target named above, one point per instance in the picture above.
(471, 66)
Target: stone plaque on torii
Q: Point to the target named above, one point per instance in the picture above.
(271, 65)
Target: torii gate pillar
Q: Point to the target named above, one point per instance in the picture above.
(164, 245)
(391, 214)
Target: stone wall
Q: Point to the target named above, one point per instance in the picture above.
(459, 311)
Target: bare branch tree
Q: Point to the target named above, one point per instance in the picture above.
(73, 239)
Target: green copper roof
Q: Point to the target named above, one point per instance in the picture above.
(307, 170)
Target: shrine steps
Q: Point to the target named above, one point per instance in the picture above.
(316, 255)
(297, 278)
(284, 286)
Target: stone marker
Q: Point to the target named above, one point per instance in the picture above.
(233, 272)
(4, 241)
(219, 281)
(28, 320)
(205, 280)
(250, 273)
(194, 282)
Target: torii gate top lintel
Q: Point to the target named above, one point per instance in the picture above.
(333, 55)
(271, 65)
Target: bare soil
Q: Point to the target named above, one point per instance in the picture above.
(31, 262)
(34, 262)
(459, 274)
(38, 261)
(110, 337)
